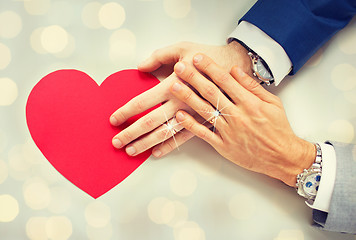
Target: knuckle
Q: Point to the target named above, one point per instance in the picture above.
(207, 64)
(148, 122)
(223, 77)
(252, 84)
(139, 105)
(141, 146)
(170, 145)
(188, 96)
(190, 76)
(210, 91)
(127, 136)
(181, 47)
(121, 116)
(163, 134)
(206, 110)
(189, 125)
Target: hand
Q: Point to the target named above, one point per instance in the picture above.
(148, 131)
(251, 129)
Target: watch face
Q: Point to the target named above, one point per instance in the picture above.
(262, 72)
(311, 184)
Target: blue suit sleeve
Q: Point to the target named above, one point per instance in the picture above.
(301, 27)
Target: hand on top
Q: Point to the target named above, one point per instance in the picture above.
(152, 129)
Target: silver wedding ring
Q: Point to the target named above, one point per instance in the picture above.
(216, 114)
(170, 128)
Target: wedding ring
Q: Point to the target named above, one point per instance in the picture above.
(170, 128)
(216, 114)
(173, 131)
(212, 120)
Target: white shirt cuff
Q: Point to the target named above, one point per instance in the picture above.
(327, 181)
(262, 44)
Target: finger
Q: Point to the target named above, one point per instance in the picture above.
(144, 125)
(205, 87)
(188, 96)
(167, 55)
(179, 139)
(219, 76)
(198, 129)
(166, 131)
(139, 104)
(252, 85)
(172, 143)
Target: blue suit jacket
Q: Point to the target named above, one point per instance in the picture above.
(301, 27)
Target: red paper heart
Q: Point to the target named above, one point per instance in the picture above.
(68, 117)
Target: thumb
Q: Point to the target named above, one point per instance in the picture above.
(251, 85)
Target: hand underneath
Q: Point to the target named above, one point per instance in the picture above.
(250, 125)
(159, 126)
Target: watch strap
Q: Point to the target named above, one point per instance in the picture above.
(316, 167)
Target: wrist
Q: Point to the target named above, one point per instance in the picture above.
(299, 156)
(258, 68)
(239, 55)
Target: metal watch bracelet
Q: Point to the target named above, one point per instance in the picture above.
(308, 181)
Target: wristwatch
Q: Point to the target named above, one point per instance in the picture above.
(260, 68)
(308, 181)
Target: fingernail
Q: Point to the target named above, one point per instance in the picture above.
(179, 68)
(240, 72)
(157, 153)
(197, 58)
(180, 117)
(114, 121)
(130, 150)
(116, 143)
(176, 87)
